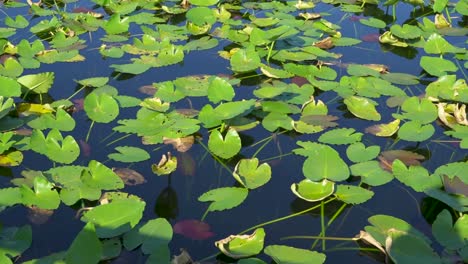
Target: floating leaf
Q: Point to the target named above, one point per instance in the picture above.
(323, 162)
(353, 194)
(152, 236)
(245, 60)
(94, 81)
(224, 147)
(405, 248)
(407, 157)
(437, 66)
(100, 176)
(14, 241)
(115, 218)
(416, 109)
(460, 132)
(362, 107)
(416, 177)
(405, 32)
(340, 136)
(224, 198)
(101, 107)
(357, 152)
(220, 90)
(373, 22)
(291, 255)
(415, 131)
(242, 246)
(54, 146)
(129, 154)
(371, 173)
(248, 173)
(312, 191)
(451, 236)
(86, 241)
(37, 83)
(193, 229)
(116, 25)
(43, 196)
(180, 144)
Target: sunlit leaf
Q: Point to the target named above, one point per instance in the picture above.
(251, 175)
(353, 194)
(227, 146)
(362, 107)
(86, 241)
(313, 191)
(241, 246)
(291, 255)
(357, 152)
(224, 198)
(129, 154)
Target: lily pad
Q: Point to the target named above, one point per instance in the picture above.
(358, 152)
(353, 194)
(248, 173)
(37, 83)
(101, 107)
(224, 198)
(362, 107)
(437, 66)
(290, 255)
(340, 136)
(129, 154)
(312, 191)
(225, 147)
(241, 246)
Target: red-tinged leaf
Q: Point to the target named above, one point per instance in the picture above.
(455, 185)
(39, 216)
(147, 89)
(355, 18)
(129, 176)
(299, 80)
(85, 148)
(193, 229)
(79, 104)
(374, 37)
(407, 157)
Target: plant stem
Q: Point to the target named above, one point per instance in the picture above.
(76, 92)
(215, 157)
(270, 50)
(89, 131)
(118, 139)
(205, 214)
(448, 15)
(284, 217)
(261, 147)
(321, 238)
(322, 224)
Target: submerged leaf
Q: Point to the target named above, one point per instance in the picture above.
(193, 229)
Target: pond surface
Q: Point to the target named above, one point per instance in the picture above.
(261, 112)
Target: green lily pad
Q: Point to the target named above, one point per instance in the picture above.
(405, 248)
(225, 147)
(201, 16)
(224, 198)
(422, 110)
(220, 90)
(43, 196)
(451, 236)
(373, 22)
(405, 32)
(353, 194)
(449, 88)
(460, 132)
(357, 152)
(154, 234)
(116, 217)
(14, 241)
(436, 44)
(101, 107)
(437, 66)
(248, 173)
(203, 2)
(312, 191)
(245, 60)
(371, 173)
(416, 177)
(416, 131)
(37, 83)
(439, 5)
(61, 121)
(11, 68)
(131, 68)
(340, 136)
(362, 107)
(101, 177)
(242, 246)
(129, 154)
(54, 146)
(275, 120)
(323, 162)
(11, 87)
(116, 24)
(86, 241)
(290, 255)
(94, 81)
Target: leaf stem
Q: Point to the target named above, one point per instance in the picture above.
(284, 217)
(76, 92)
(205, 214)
(322, 223)
(215, 157)
(320, 237)
(89, 131)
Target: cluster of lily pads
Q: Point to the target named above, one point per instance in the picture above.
(290, 47)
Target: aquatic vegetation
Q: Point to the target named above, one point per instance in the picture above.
(280, 93)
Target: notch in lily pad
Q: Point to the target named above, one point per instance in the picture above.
(248, 173)
(166, 165)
